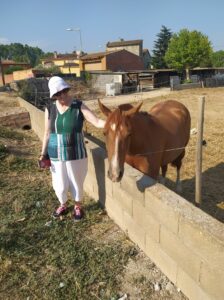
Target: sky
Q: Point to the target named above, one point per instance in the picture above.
(43, 23)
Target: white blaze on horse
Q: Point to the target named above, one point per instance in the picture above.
(146, 141)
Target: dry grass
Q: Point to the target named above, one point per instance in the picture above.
(213, 153)
(42, 258)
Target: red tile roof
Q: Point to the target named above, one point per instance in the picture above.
(12, 62)
(60, 57)
(124, 43)
(97, 55)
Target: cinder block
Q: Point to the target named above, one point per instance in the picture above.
(146, 221)
(166, 264)
(183, 256)
(212, 280)
(161, 211)
(115, 212)
(88, 188)
(129, 183)
(124, 198)
(109, 186)
(202, 242)
(135, 232)
(191, 288)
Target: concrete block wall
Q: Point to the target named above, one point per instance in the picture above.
(36, 117)
(183, 241)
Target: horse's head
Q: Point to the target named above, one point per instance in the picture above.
(117, 131)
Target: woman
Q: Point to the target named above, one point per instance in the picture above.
(64, 143)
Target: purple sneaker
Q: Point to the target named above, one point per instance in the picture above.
(78, 213)
(61, 210)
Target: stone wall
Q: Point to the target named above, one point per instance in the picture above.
(183, 241)
(15, 118)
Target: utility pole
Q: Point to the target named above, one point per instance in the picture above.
(80, 36)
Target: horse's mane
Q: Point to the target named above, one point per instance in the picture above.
(124, 107)
(117, 115)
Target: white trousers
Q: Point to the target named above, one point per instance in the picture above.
(69, 175)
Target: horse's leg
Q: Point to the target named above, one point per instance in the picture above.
(178, 163)
(163, 178)
(154, 166)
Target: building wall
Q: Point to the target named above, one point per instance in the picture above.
(92, 66)
(23, 74)
(135, 49)
(58, 62)
(66, 70)
(99, 81)
(123, 61)
(71, 70)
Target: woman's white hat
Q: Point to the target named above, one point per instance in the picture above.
(57, 84)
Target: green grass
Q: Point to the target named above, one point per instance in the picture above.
(64, 260)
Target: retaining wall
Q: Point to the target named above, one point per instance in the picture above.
(183, 241)
(36, 117)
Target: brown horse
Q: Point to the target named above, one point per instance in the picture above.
(146, 140)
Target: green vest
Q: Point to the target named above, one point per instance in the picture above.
(66, 136)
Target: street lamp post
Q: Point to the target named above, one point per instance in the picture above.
(80, 36)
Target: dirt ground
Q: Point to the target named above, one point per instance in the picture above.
(213, 152)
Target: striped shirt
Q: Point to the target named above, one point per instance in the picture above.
(66, 136)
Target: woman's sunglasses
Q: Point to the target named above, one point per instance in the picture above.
(58, 94)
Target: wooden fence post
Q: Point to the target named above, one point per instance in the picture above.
(2, 72)
(198, 182)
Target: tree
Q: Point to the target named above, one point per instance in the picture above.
(218, 59)
(160, 48)
(21, 53)
(188, 49)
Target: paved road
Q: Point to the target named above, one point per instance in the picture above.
(128, 98)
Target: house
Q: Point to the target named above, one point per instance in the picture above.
(67, 63)
(117, 60)
(5, 65)
(133, 46)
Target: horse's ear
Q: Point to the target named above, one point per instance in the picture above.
(105, 110)
(133, 110)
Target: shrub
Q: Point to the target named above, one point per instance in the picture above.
(11, 69)
(48, 70)
(187, 81)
